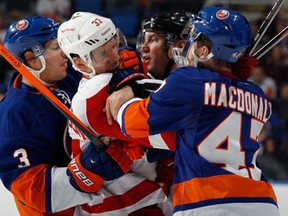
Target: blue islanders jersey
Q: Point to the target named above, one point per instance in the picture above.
(218, 120)
(32, 143)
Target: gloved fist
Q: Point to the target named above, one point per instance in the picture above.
(132, 59)
(89, 170)
(244, 66)
(120, 156)
(125, 77)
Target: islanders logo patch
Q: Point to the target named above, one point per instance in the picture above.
(22, 24)
(222, 14)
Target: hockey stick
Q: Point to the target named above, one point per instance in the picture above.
(270, 44)
(51, 97)
(265, 24)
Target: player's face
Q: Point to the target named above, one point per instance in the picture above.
(106, 57)
(56, 62)
(155, 54)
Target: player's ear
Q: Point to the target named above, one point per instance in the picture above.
(31, 60)
(29, 56)
(181, 43)
(76, 61)
(204, 52)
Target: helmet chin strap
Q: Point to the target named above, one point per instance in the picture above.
(37, 73)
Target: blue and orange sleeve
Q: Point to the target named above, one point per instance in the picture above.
(135, 123)
(30, 188)
(135, 119)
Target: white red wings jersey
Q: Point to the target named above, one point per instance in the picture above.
(87, 105)
(217, 119)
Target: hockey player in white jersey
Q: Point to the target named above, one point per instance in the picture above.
(91, 43)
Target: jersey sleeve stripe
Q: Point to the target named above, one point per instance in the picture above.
(136, 123)
(29, 191)
(222, 186)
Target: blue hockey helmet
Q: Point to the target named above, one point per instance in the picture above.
(30, 34)
(229, 31)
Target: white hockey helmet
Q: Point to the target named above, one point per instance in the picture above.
(83, 33)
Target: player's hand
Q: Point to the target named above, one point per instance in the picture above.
(115, 101)
(244, 66)
(89, 170)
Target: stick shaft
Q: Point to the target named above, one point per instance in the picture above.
(272, 43)
(50, 96)
(265, 24)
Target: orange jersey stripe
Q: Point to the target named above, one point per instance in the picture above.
(222, 186)
(25, 210)
(137, 114)
(88, 181)
(30, 189)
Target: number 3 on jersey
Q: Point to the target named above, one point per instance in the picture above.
(23, 157)
(223, 145)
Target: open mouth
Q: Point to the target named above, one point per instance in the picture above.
(146, 59)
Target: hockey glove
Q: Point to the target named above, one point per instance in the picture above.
(125, 77)
(132, 59)
(134, 150)
(89, 170)
(143, 88)
(244, 66)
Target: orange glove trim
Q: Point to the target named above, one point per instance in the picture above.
(88, 181)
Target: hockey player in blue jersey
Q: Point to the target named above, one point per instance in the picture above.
(218, 117)
(32, 131)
